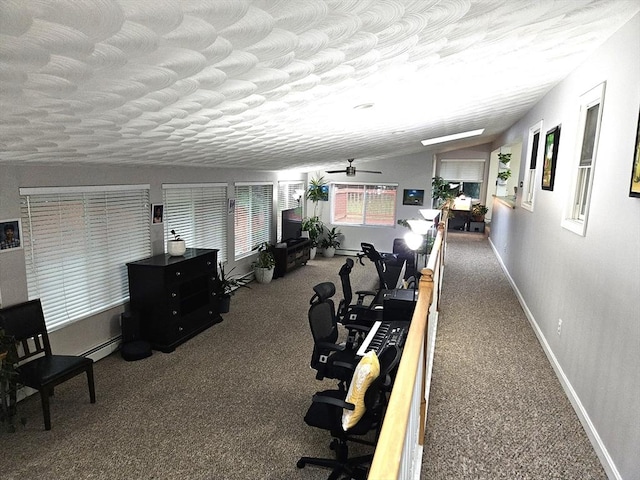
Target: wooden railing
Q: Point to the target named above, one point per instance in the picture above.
(398, 452)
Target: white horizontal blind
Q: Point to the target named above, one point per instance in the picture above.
(253, 216)
(77, 242)
(198, 213)
(462, 170)
(286, 200)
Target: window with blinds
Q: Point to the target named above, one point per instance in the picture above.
(77, 241)
(468, 173)
(253, 216)
(363, 204)
(287, 199)
(198, 213)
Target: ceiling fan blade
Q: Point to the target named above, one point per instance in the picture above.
(368, 171)
(335, 171)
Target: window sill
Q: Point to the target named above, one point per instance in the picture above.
(508, 201)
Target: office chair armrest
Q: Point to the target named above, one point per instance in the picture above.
(353, 326)
(345, 365)
(331, 346)
(362, 294)
(333, 401)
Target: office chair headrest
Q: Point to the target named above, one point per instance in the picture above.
(371, 252)
(323, 291)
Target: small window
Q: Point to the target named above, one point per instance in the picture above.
(468, 174)
(253, 217)
(290, 195)
(535, 154)
(577, 211)
(363, 204)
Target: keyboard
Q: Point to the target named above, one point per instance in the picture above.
(384, 334)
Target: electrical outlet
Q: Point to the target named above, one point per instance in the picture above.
(559, 325)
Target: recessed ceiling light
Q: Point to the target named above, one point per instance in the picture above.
(455, 136)
(363, 106)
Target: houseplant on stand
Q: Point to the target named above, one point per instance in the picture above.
(313, 226)
(478, 211)
(264, 264)
(442, 192)
(330, 242)
(225, 285)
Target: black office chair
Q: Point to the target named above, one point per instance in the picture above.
(331, 359)
(363, 311)
(38, 367)
(326, 412)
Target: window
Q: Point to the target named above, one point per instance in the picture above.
(577, 210)
(535, 152)
(363, 204)
(198, 212)
(287, 199)
(77, 241)
(468, 173)
(253, 216)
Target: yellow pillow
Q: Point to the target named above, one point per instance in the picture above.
(366, 372)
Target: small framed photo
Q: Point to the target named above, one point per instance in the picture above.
(157, 213)
(552, 142)
(634, 189)
(10, 235)
(413, 197)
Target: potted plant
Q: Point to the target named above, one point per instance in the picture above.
(316, 192)
(176, 247)
(314, 226)
(504, 175)
(225, 285)
(504, 158)
(264, 264)
(478, 211)
(8, 380)
(441, 192)
(330, 242)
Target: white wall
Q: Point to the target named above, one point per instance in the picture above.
(592, 283)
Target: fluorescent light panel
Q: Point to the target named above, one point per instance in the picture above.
(455, 136)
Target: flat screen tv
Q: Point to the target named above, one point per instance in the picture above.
(291, 224)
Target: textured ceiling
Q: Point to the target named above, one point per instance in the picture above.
(272, 84)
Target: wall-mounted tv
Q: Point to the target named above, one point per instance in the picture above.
(291, 224)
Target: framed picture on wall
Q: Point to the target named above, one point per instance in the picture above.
(10, 235)
(634, 189)
(413, 197)
(551, 144)
(157, 213)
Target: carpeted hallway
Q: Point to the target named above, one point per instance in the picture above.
(496, 410)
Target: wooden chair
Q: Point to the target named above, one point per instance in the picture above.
(38, 367)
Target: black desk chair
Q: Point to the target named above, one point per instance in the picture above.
(363, 311)
(327, 409)
(331, 359)
(38, 367)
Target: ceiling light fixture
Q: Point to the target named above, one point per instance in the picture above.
(363, 106)
(455, 136)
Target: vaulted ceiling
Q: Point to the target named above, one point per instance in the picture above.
(277, 84)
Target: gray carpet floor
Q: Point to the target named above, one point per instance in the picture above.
(229, 403)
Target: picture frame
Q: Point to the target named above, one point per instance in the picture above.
(413, 197)
(157, 213)
(10, 235)
(634, 187)
(550, 159)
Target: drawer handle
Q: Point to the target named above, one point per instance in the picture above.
(178, 274)
(174, 294)
(208, 263)
(180, 329)
(175, 313)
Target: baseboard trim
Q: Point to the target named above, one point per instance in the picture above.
(104, 350)
(595, 439)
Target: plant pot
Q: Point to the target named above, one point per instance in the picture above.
(176, 248)
(304, 234)
(329, 252)
(312, 252)
(224, 303)
(263, 275)
(477, 218)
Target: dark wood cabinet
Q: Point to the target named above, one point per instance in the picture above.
(174, 296)
(291, 255)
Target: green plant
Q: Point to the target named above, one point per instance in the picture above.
(504, 175)
(315, 192)
(265, 258)
(225, 284)
(479, 210)
(176, 237)
(442, 191)
(504, 158)
(8, 379)
(314, 226)
(331, 238)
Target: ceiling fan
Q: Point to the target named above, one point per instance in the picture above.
(350, 171)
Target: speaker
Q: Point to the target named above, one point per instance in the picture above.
(133, 346)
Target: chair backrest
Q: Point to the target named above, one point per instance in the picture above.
(373, 255)
(25, 322)
(345, 279)
(322, 315)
